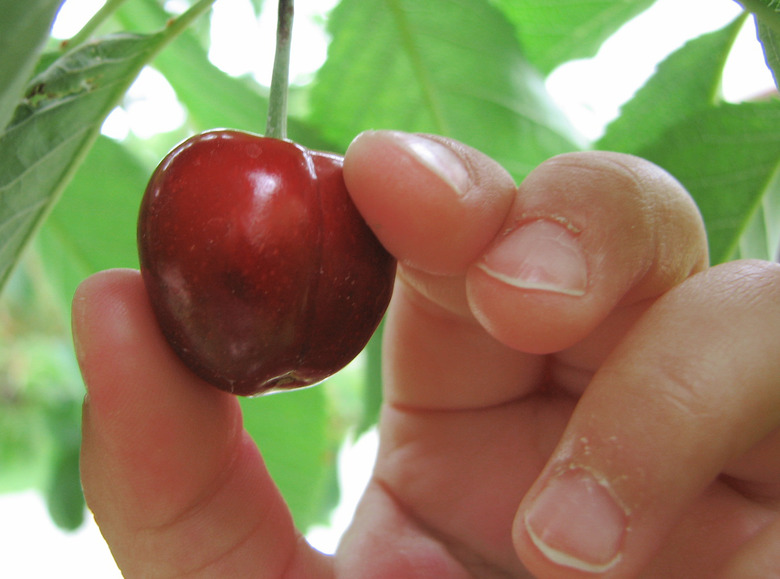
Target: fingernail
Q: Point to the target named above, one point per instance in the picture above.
(541, 255)
(576, 522)
(438, 158)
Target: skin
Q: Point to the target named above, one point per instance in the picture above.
(651, 381)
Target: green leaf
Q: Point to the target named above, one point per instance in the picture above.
(53, 129)
(186, 66)
(767, 11)
(761, 238)
(24, 29)
(767, 15)
(64, 497)
(770, 40)
(57, 122)
(451, 67)
(727, 157)
(93, 226)
(554, 32)
(212, 98)
(688, 81)
(291, 431)
(724, 155)
(25, 447)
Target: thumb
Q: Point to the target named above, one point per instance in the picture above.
(175, 483)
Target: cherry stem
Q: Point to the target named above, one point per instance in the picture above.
(276, 126)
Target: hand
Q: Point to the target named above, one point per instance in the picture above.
(569, 392)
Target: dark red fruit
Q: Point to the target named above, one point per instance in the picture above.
(260, 270)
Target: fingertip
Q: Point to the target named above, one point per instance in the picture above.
(102, 308)
(434, 203)
(116, 336)
(575, 522)
(530, 289)
(588, 233)
(105, 296)
(89, 299)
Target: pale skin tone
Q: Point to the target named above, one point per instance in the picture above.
(565, 334)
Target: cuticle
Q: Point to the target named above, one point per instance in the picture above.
(526, 218)
(603, 481)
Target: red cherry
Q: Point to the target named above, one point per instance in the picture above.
(261, 272)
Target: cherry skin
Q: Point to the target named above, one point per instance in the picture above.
(260, 270)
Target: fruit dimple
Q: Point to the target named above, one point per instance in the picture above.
(260, 270)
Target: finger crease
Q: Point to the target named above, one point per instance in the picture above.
(473, 562)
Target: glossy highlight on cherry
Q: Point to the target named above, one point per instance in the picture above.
(259, 268)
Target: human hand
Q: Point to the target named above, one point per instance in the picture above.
(565, 334)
